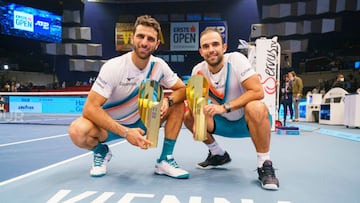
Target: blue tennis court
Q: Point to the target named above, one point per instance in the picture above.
(40, 164)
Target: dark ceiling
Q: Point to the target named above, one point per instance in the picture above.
(57, 6)
(146, 1)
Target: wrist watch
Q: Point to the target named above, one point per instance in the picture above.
(227, 107)
(170, 101)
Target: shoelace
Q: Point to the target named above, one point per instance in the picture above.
(98, 159)
(173, 163)
(268, 171)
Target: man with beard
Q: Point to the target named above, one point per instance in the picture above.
(111, 109)
(236, 109)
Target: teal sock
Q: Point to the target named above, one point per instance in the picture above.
(101, 148)
(168, 148)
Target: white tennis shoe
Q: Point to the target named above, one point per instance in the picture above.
(170, 168)
(100, 164)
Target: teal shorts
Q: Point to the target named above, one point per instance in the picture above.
(138, 124)
(232, 129)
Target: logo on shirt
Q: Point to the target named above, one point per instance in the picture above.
(218, 84)
(128, 82)
(245, 71)
(128, 79)
(101, 82)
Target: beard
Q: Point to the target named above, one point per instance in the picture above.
(216, 62)
(143, 55)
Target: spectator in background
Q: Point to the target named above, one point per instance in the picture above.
(13, 87)
(2, 104)
(323, 92)
(63, 85)
(316, 90)
(7, 87)
(286, 97)
(92, 80)
(17, 85)
(30, 85)
(297, 88)
(339, 82)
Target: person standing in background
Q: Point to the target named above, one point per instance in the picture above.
(286, 97)
(2, 104)
(339, 82)
(297, 88)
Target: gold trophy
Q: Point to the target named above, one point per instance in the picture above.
(197, 91)
(150, 100)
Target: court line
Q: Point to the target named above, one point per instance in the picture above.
(33, 140)
(52, 166)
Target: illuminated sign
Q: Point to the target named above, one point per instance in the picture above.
(124, 32)
(42, 25)
(181, 36)
(23, 21)
(46, 104)
(221, 26)
(31, 23)
(184, 36)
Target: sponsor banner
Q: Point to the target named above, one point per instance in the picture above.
(184, 36)
(26, 107)
(164, 37)
(46, 104)
(31, 23)
(221, 26)
(181, 36)
(42, 25)
(268, 67)
(23, 21)
(124, 32)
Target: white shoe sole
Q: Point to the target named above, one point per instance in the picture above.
(158, 171)
(269, 186)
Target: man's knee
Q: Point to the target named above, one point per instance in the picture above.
(256, 111)
(75, 132)
(73, 128)
(78, 131)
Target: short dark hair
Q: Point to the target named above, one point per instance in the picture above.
(211, 29)
(147, 20)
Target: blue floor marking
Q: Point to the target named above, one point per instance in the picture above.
(339, 134)
(350, 136)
